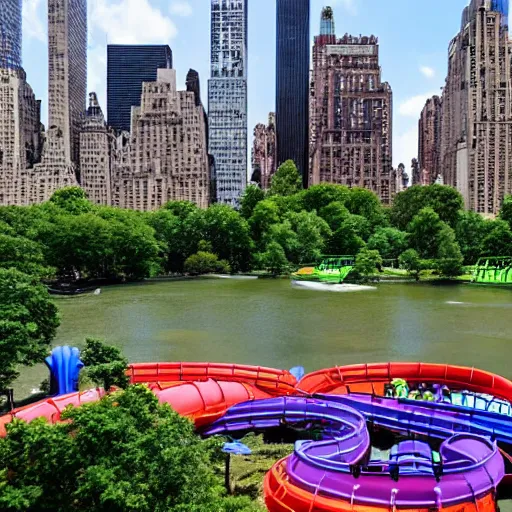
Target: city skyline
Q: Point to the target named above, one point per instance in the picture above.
(411, 57)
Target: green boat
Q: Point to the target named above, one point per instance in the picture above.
(493, 271)
(332, 269)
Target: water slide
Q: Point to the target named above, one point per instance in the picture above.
(337, 473)
(372, 377)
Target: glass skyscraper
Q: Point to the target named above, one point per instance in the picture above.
(227, 98)
(292, 83)
(127, 67)
(10, 34)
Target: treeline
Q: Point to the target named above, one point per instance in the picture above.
(69, 237)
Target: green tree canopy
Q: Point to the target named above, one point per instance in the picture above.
(445, 201)
(206, 263)
(286, 180)
(251, 197)
(73, 200)
(498, 241)
(365, 203)
(506, 210)
(335, 214)
(410, 260)
(273, 259)
(312, 232)
(229, 235)
(424, 231)
(28, 323)
(125, 453)
(24, 255)
(317, 197)
(389, 242)
(265, 214)
(449, 255)
(470, 231)
(367, 262)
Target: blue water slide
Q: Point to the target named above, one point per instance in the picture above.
(64, 364)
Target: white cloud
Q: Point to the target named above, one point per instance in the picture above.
(181, 8)
(405, 148)
(427, 71)
(412, 107)
(130, 22)
(33, 26)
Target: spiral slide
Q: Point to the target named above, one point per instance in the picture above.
(336, 473)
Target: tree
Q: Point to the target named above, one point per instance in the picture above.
(347, 239)
(125, 453)
(317, 197)
(286, 180)
(470, 231)
(274, 259)
(28, 323)
(366, 203)
(265, 214)
(499, 240)
(445, 201)
(73, 200)
(312, 233)
(410, 261)
(335, 214)
(229, 235)
(104, 364)
(424, 231)
(284, 235)
(506, 210)
(206, 263)
(251, 197)
(449, 256)
(390, 242)
(24, 255)
(367, 262)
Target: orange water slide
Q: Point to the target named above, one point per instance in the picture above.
(271, 381)
(282, 495)
(371, 378)
(50, 408)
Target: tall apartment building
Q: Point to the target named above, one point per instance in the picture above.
(10, 34)
(476, 133)
(165, 158)
(95, 154)
(429, 141)
(227, 98)
(20, 135)
(264, 152)
(128, 66)
(351, 113)
(292, 84)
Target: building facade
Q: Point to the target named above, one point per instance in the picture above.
(264, 153)
(20, 136)
(165, 157)
(227, 98)
(351, 114)
(476, 132)
(95, 154)
(10, 34)
(128, 66)
(429, 141)
(67, 71)
(292, 83)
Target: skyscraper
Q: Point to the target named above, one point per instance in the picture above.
(128, 66)
(264, 152)
(351, 113)
(429, 147)
(227, 98)
(10, 34)
(292, 85)
(67, 80)
(476, 133)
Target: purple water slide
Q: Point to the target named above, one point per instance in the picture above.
(338, 466)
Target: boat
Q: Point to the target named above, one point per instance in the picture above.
(493, 271)
(332, 269)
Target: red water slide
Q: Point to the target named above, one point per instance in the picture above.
(372, 378)
(271, 381)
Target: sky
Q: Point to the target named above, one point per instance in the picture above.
(413, 37)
